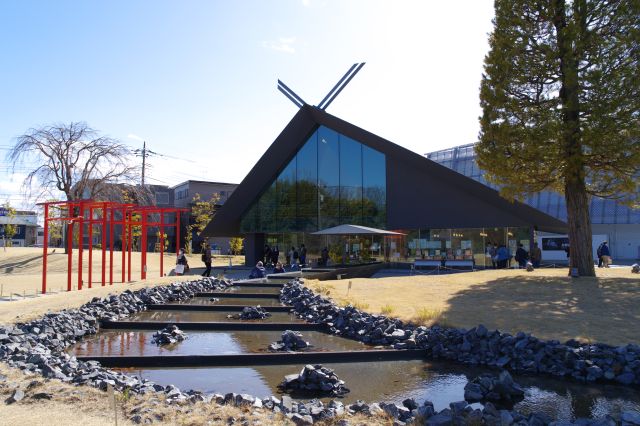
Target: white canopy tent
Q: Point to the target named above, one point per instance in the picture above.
(355, 230)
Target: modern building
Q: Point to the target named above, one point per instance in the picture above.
(184, 192)
(183, 195)
(322, 171)
(615, 222)
(26, 223)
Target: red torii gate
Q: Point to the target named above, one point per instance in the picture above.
(108, 221)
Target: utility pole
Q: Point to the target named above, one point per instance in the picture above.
(144, 153)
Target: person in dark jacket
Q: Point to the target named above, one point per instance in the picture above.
(521, 256)
(599, 253)
(275, 255)
(606, 255)
(279, 269)
(206, 258)
(303, 255)
(324, 257)
(266, 255)
(258, 271)
(536, 256)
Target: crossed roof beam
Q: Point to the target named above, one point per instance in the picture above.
(333, 93)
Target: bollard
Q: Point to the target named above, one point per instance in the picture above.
(1, 290)
(24, 294)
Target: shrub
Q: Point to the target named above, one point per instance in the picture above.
(387, 309)
(431, 316)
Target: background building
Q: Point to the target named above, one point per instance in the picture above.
(618, 223)
(26, 223)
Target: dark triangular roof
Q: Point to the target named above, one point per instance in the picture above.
(420, 192)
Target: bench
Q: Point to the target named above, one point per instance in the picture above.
(459, 264)
(428, 263)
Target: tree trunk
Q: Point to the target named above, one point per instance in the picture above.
(575, 191)
(580, 245)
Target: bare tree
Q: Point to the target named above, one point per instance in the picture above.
(73, 159)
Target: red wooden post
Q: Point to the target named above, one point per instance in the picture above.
(130, 240)
(90, 244)
(80, 244)
(111, 226)
(143, 254)
(69, 249)
(104, 241)
(123, 240)
(44, 248)
(161, 242)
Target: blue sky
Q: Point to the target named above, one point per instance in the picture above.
(197, 79)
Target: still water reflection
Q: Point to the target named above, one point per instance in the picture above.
(394, 381)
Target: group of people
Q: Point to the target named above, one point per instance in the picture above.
(294, 256)
(501, 256)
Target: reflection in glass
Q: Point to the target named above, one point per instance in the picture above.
(350, 181)
(374, 182)
(307, 181)
(328, 177)
(332, 180)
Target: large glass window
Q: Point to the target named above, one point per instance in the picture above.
(287, 207)
(328, 177)
(374, 183)
(307, 179)
(350, 181)
(267, 208)
(332, 180)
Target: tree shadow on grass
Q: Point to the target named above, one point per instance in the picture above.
(604, 310)
(25, 261)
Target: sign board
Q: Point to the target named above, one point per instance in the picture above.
(3, 211)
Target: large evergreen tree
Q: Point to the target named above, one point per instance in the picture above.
(561, 105)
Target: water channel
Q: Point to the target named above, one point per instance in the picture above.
(390, 381)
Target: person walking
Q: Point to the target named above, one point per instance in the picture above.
(502, 257)
(324, 257)
(606, 255)
(521, 256)
(536, 255)
(266, 255)
(289, 256)
(295, 257)
(275, 255)
(599, 253)
(206, 258)
(303, 255)
(494, 254)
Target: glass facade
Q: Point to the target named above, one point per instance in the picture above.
(332, 180)
(462, 159)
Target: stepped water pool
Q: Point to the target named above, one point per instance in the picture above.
(139, 343)
(208, 316)
(266, 302)
(393, 381)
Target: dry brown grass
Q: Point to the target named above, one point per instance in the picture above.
(21, 274)
(545, 302)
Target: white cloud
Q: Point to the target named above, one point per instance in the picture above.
(283, 44)
(135, 137)
(306, 3)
